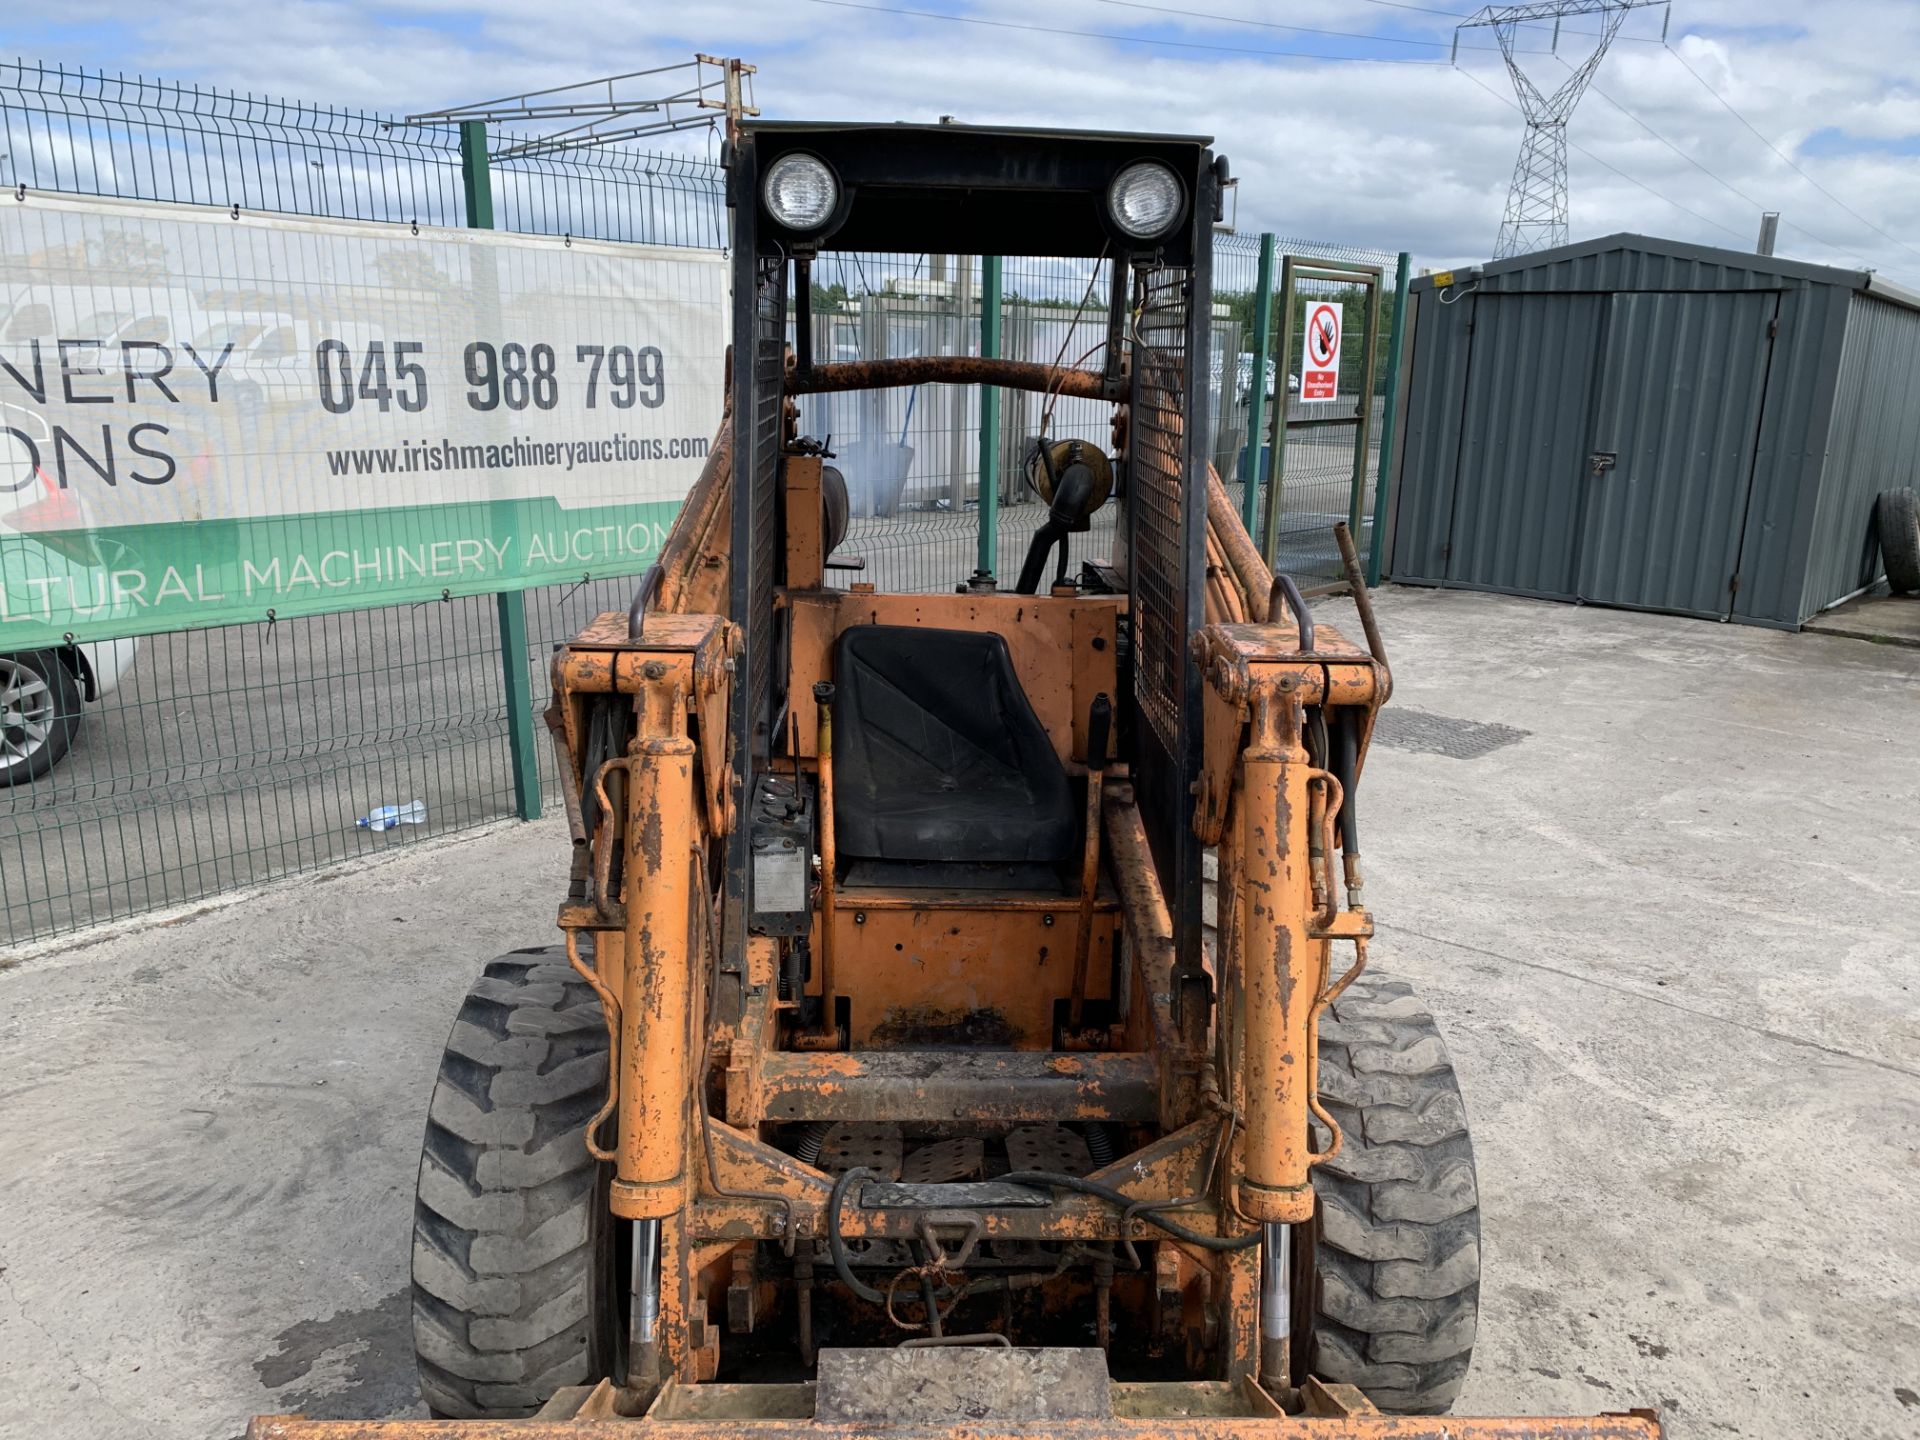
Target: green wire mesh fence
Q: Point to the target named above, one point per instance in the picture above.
(228, 756)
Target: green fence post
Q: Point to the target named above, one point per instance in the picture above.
(989, 417)
(476, 183)
(476, 180)
(1377, 539)
(1257, 401)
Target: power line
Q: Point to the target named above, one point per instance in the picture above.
(1118, 39)
(1381, 60)
(1350, 35)
(1704, 220)
(1423, 9)
(1728, 106)
(1195, 44)
(1386, 4)
(1374, 36)
(1188, 14)
(1717, 178)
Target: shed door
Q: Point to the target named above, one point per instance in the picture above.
(1515, 521)
(1675, 425)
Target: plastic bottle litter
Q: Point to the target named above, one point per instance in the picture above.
(385, 817)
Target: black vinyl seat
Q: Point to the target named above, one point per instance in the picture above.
(938, 756)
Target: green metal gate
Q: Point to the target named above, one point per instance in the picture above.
(1320, 450)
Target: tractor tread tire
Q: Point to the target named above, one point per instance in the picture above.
(510, 1222)
(1396, 1290)
(1896, 520)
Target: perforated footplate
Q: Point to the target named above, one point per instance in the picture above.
(887, 1152)
(1400, 728)
(871, 1147)
(1048, 1147)
(945, 1162)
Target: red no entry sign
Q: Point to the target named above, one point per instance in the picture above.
(1320, 376)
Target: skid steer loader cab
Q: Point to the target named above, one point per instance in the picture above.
(960, 1022)
(1140, 209)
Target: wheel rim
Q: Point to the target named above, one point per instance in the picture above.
(26, 712)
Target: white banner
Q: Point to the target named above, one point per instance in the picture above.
(205, 417)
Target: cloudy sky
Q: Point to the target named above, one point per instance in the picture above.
(1344, 118)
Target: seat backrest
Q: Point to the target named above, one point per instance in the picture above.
(937, 754)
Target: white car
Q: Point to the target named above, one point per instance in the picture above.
(1243, 379)
(42, 691)
(40, 701)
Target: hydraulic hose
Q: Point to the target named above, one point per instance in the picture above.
(1346, 769)
(1284, 588)
(837, 1247)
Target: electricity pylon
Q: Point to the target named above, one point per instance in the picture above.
(1536, 217)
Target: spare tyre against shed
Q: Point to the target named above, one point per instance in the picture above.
(1656, 425)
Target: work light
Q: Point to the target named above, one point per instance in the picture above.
(800, 192)
(1145, 200)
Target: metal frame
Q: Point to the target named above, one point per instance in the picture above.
(693, 105)
(1293, 270)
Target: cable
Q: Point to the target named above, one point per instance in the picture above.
(1276, 25)
(1711, 175)
(1723, 229)
(1423, 9)
(1385, 4)
(1223, 19)
(1374, 36)
(1728, 106)
(1118, 39)
(837, 1247)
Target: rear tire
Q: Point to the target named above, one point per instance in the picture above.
(514, 1265)
(1896, 520)
(1396, 1284)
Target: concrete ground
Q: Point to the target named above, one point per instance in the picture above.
(1662, 888)
(1877, 616)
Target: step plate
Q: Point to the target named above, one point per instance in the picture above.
(961, 1385)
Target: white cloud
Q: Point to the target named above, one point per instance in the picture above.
(1391, 156)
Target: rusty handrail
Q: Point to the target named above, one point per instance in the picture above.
(1357, 585)
(955, 370)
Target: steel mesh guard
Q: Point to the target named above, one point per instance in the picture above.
(769, 361)
(1157, 441)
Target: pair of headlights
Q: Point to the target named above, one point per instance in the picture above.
(1144, 200)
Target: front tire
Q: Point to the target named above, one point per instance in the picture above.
(39, 714)
(1396, 1260)
(514, 1261)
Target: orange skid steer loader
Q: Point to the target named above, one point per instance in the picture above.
(962, 1023)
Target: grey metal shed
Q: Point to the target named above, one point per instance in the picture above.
(1657, 425)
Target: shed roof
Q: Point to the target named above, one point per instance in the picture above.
(1626, 261)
